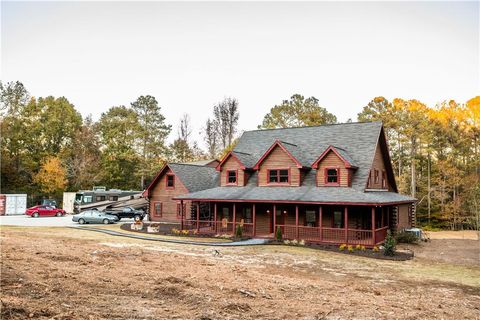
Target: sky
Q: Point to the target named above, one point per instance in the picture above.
(190, 55)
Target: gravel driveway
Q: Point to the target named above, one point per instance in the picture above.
(27, 221)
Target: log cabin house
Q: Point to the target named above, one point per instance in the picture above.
(327, 184)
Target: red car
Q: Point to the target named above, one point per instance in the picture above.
(44, 210)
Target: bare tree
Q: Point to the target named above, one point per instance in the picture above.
(184, 129)
(226, 117)
(211, 137)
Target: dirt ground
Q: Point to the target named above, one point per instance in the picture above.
(60, 273)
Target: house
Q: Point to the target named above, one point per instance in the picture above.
(326, 184)
(176, 179)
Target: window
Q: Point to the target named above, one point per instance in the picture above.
(384, 179)
(232, 177)
(337, 219)
(332, 176)
(157, 209)
(100, 198)
(375, 176)
(247, 214)
(179, 209)
(225, 213)
(170, 181)
(278, 176)
(310, 218)
(87, 199)
(113, 198)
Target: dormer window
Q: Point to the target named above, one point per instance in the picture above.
(332, 176)
(278, 176)
(170, 181)
(232, 177)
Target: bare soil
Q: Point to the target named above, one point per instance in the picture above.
(56, 273)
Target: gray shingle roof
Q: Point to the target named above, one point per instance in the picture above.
(357, 140)
(346, 156)
(247, 159)
(195, 177)
(301, 194)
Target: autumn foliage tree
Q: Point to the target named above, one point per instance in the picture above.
(51, 179)
(435, 156)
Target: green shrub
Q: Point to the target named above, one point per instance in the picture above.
(239, 232)
(390, 245)
(406, 237)
(278, 234)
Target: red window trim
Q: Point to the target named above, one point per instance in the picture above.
(278, 183)
(166, 181)
(236, 178)
(376, 176)
(325, 176)
(155, 209)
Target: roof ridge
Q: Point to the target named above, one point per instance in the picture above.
(189, 164)
(320, 125)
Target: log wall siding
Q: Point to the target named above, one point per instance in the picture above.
(403, 219)
(379, 164)
(278, 159)
(163, 195)
(232, 164)
(332, 160)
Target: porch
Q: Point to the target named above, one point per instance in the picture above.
(330, 224)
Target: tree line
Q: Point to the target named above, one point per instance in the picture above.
(47, 147)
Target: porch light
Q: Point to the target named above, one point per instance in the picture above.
(285, 211)
(268, 211)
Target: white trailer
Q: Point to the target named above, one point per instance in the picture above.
(15, 204)
(68, 201)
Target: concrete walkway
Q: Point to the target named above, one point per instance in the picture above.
(27, 221)
(250, 242)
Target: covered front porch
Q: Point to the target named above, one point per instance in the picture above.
(322, 223)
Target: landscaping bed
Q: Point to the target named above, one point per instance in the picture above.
(173, 229)
(400, 255)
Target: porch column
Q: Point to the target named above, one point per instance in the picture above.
(254, 221)
(346, 224)
(296, 221)
(198, 217)
(181, 214)
(320, 219)
(274, 220)
(234, 217)
(215, 217)
(373, 225)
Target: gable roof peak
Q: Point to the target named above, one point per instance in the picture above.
(271, 148)
(340, 152)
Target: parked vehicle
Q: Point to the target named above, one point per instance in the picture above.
(94, 216)
(126, 212)
(87, 198)
(44, 211)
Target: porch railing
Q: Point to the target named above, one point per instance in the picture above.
(222, 228)
(313, 234)
(332, 235)
(380, 234)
